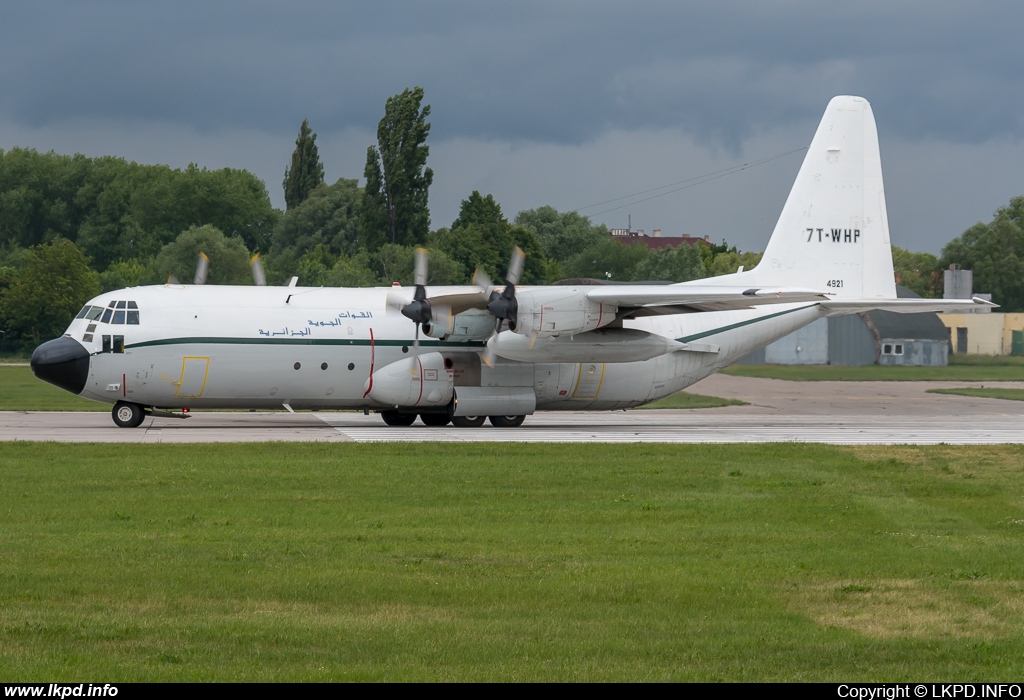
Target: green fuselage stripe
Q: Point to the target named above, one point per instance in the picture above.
(741, 324)
(475, 344)
(207, 340)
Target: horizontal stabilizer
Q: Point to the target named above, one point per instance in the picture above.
(904, 306)
(700, 297)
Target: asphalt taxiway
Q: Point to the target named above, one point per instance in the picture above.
(778, 411)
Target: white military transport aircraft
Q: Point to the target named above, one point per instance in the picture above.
(488, 351)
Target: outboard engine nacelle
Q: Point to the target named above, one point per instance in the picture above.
(422, 381)
(559, 311)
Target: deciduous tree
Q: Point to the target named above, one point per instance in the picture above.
(397, 179)
(995, 253)
(52, 285)
(229, 260)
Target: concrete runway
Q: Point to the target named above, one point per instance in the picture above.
(826, 412)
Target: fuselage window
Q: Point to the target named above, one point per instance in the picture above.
(94, 313)
(133, 316)
(118, 343)
(87, 338)
(118, 316)
(106, 343)
(106, 315)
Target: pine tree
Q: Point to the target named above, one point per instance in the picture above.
(306, 171)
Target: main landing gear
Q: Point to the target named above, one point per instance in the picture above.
(128, 415)
(439, 420)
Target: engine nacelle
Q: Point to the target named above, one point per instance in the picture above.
(603, 345)
(558, 310)
(475, 324)
(422, 381)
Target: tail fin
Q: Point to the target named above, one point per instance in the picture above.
(833, 233)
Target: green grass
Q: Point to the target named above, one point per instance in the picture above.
(980, 372)
(683, 399)
(518, 562)
(983, 392)
(21, 391)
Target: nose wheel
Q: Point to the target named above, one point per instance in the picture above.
(128, 415)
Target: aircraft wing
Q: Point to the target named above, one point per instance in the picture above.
(696, 298)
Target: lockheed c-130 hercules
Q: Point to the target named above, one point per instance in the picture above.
(501, 352)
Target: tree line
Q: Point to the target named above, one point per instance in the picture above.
(72, 226)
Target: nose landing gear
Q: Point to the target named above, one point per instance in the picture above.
(128, 415)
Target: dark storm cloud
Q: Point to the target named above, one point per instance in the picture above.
(550, 72)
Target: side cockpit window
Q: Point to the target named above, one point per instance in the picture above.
(90, 313)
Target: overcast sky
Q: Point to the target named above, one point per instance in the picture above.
(570, 104)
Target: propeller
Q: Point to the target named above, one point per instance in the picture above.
(258, 278)
(418, 310)
(502, 305)
(202, 268)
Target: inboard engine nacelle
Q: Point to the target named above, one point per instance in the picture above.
(559, 311)
(469, 325)
(419, 381)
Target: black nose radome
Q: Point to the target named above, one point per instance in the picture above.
(62, 362)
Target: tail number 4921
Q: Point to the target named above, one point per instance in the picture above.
(835, 284)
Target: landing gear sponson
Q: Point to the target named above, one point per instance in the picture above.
(439, 420)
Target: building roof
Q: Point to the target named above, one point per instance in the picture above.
(925, 326)
(657, 241)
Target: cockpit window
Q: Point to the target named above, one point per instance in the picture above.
(116, 312)
(83, 312)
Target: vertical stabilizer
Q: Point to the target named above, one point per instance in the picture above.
(833, 233)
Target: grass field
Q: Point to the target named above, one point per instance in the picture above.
(511, 562)
(972, 372)
(21, 391)
(984, 392)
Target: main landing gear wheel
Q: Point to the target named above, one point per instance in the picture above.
(396, 419)
(128, 415)
(468, 421)
(434, 420)
(507, 421)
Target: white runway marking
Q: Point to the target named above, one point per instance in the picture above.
(686, 427)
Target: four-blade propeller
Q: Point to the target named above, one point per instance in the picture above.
(418, 310)
(502, 305)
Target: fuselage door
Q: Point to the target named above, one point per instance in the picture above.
(591, 375)
(194, 371)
